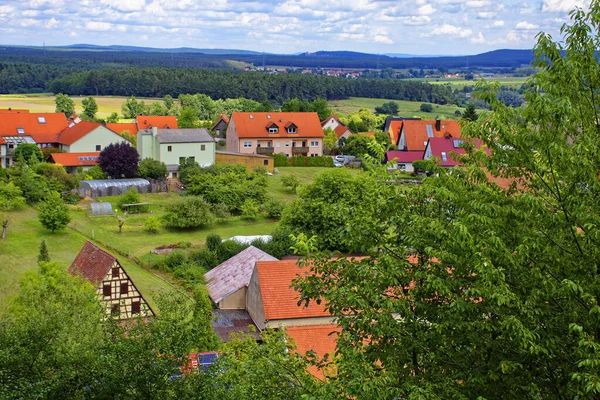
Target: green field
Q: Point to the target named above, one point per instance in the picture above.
(45, 103)
(508, 81)
(407, 108)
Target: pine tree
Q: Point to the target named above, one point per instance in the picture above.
(43, 256)
(470, 114)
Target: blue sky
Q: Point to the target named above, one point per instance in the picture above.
(288, 26)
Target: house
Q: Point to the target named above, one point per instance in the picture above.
(86, 137)
(227, 282)
(251, 161)
(220, 127)
(289, 133)
(341, 130)
(172, 146)
(403, 159)
(272, 302)
(142, 122)
(114, 288)
(72, 161)
(414, 134)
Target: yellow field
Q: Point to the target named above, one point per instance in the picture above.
(407, 108)
(45, 103)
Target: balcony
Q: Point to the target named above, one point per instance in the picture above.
(299, 150)
(265, 150)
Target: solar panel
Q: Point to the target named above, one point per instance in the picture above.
(429, 129)
(205, 360)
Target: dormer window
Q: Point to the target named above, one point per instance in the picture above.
(273, 129)
(292, 129)
(457, 143)
(21, 131)
(41, 120)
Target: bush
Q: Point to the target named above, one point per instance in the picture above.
(53, 213)
(95, 173)
(228, 249)
(190, 274)
(299, 161)
(152, 225)
(205, 258)
(71, 198)
(421, 166)
(152, 169)
(290, 181)
(426, 107)
(188, 212)
(281, 160)
(221, 211)
(250, 209)
(131, 196)
(273, 208)
(10, 197)
(213, 241)
(320, 161)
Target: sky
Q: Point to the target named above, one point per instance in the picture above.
(428, 27)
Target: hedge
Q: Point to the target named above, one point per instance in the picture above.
(281, 160)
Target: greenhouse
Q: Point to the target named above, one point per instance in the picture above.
(101, 209)
(121, 184)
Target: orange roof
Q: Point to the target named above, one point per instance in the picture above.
(223, 118)
(75, 159)
(159, 121)
(319, 339)
(415, 132)
(255, 124)
(118, 128)
(340, 130)
(370, 134)
(74, 133)
(394, 131)
(280, 301)
(42, 127)
(13, 110)
(334, 116)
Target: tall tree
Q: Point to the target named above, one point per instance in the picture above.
(53, 212)
(90, 108)
(119, 160)
(64, 104)
(470, 114)
(29, 152)
(43, 255)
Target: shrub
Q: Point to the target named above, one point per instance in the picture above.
(171, 261)
(281, 160)
(53, 213)
(213, 241)
(290, 181)
(426, 107)
(131, 196)
(71, 198)
(10, 197)
(273, 208)
(421, 166)
(320, 161)
(152, 225)
(299, 161)
(190, 274)
(221, 211)
(228, 249)
(205, 258)
(250, 209)
(95, 173)
(152, 169)
(188, 212)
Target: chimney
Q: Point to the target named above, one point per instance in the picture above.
(438, 124)
(154, 131)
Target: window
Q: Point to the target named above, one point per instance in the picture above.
(11, 146)
(425, 143)
(266, 163)
(202, 147)
(287, 144)
(444, 158)
(402, 167)
(98, 147)
(115, 310)
(277, 144)
(169, 148)
(273, 129)
(174, 175)
(457, 143)
(106, 289)
(292, 129)
(20, 131)
(115, 273)
(314, 144)
(247, 144)
(124, 288)
(41, 120)
(181, 160)
(135, 307)
(429, 129)
(192, 159)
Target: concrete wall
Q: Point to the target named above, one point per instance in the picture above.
(300, 322)
(144, 146)
(204, 157)
(235, 301)
(280, 145)
(331, 123)
(254, 302)
(232, 141)
(100, 136)
(250, 162)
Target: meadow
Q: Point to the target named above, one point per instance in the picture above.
(512, 82)
(407, 108)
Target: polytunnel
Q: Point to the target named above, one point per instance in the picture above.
(100, 209)
(121, 184)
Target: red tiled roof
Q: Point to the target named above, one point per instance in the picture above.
(340, 130)
(334, 116)
(46, 132)
(394, 131)
(75, 159)
(403, 156)
(159, 121)
(70, 135)
(92, 263)
(447, 146)
(280, 301)
(118, 128)
(415, 132)
(319, 339)
(13, 110)
(234, 273)
(307, 122)
(370, 134)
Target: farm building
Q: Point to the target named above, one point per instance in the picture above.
(251, 161)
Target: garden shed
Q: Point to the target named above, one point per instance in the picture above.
(101, 209)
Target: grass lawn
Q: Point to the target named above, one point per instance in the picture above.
(18, 254)
(407, 108)
(45, 103)
(508, 81)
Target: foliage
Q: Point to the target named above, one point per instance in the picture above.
(53, 212)
(90, 108)
(71, 198)
(43, 256)
(231, 185)
(29, 152)
(152, 224)
(64, 104)
(250, 209)
(299, 161)
(470, 114)
(11, 197)
(320, 161)
(364, 121)
(119, 160)
(319, 106)
(34, 187)
(426, 107)
(421, 166)
(213, 241)
(152, 169)
(388, 108)
(131, 196)
(187, 118)
(273, 208)
(329, 140)
(510, 98)
(188, 167)
(290, 181)
(382, 138)
(132, 108)
(188, 212)
(357, 145)
(95, 173)
(281, 160)
(57, 177)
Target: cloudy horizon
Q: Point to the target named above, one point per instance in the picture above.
(420, 27)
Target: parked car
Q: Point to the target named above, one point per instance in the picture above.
(337, 163)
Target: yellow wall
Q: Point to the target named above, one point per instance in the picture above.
(250, 162)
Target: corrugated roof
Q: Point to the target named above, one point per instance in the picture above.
(254, 124)
(199, 135)
(234, 273)
(225, 322)
(92, 263)
(75, 159)
(279, 299)
(415, 132)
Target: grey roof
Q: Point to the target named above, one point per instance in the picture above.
(181, 135)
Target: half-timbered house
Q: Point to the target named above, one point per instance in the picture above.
(114, 288)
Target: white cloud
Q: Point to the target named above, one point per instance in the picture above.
(478, 3)
(486, 14)
(98, 26)
(383, 39)
(450, 31)
(497, 24)
(563, 5)
(427, 9)
(51, 23)
(125, 5)
(524, 25)
(479, 39)
(416, 20)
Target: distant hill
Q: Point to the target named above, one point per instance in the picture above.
(156, 49)
(340, 54)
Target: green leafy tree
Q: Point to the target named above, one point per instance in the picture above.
(188, 212)
(95, 173)
(188, 118)
(329, 140)
(11, 197)
(470, 114)
(112, 118)
(64, 104)
(290, 181)
(157, 109)
(169, 103)
(388, 108)
(321, 107)
(152, 169)
(33, 186)
(53, 213)
(250, 209)
(131, 108)
(357, 145)
(43, 256)
(131, 196)
(426, 107)
(90, 108)
(30, 153)
(382, 138)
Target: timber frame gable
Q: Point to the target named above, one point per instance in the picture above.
(116, 291)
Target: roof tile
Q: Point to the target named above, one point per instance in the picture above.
(92, 263)
(253, 124)
(415, 132)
